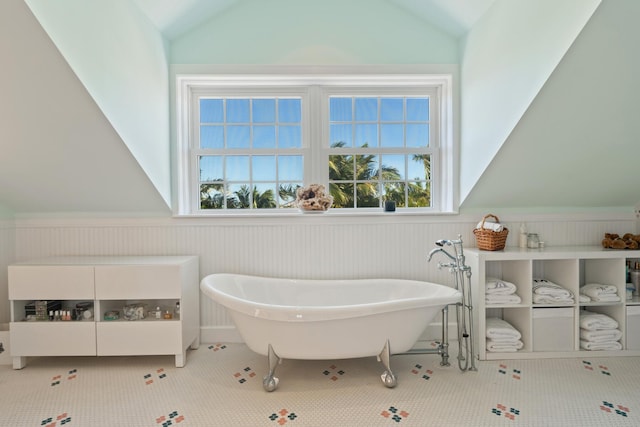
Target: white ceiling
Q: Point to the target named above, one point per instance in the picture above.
(174, 18)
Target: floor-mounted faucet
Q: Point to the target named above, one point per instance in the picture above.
(464, 310)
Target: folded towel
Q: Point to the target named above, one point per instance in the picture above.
(596, 290)
(498, 347)
(500, 329)
(546, 287)
(606, 298)
(584, 298)
(595, 321)
(499, 286)
(550, 299)
(602, 335)
(494, 226)
(502, 299)
(611, 345)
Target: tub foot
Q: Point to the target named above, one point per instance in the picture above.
(270, 382)
(388, 377)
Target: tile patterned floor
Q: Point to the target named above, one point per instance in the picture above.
(221, 385)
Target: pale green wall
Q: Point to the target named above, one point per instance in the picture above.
(318, 32)
(506, 58)
(121, 59)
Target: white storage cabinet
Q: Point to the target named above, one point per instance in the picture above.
(109, 283)
(569, 267)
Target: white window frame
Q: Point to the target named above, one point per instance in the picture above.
(315, 90)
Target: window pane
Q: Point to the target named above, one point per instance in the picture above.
(419, 194)
(367, 167)
(211, 196)
(240, 196)
(340, 134)
(391, 110)
(394, 191)
(264, 196)
(342, 195)
(287, 194)
(237, 111)
(290, 168)
(264, 137)
(417, 109)
(393, 167)
(289, 110)
(367, 195)
(341, 168)
(211, 168)
(290, 137)
(419, 167)
(391, 135)
(211, 137)
(417, 135)
(340, 109)
(211, 111)
(238, 136)
(366, 109)
(237, 168)
(264, 110)
(264, 168)
(367, 135)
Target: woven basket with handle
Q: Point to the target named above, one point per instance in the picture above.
(490, 240)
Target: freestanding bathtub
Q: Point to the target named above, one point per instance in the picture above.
(328, 319)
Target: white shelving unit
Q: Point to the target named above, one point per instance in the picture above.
(569, 267)
(109, 283)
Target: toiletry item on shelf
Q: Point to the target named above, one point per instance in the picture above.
(168, 315)
(523, 236)
(634, 276)
(158, 313)
(176, 310)
(533, 241)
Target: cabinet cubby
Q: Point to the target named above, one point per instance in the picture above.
(570, 267)
(108, 284)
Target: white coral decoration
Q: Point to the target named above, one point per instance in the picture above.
(313, 198)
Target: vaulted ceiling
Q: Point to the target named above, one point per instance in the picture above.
(174, 18)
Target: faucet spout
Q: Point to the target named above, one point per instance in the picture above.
(435, 250)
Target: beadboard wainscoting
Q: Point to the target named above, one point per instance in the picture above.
(328, 247)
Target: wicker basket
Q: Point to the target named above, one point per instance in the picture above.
(489, 240)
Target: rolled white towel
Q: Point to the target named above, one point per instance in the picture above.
(502, 299)
(500, 347)
(607, 345)
(602, 335)
(494, 226)
(500, 329)
(499, 286)
(595, 321)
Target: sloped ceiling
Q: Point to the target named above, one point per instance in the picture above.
(552, 159)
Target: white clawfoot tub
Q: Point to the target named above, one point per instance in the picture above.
(328, 319)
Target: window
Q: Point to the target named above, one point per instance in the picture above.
(247, 143)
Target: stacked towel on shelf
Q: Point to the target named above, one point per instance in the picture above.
(547, 292)
(499, 291)
(600, 293)
(599, 332)
(502, 336)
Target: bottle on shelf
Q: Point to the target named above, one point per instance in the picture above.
(176, 310)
